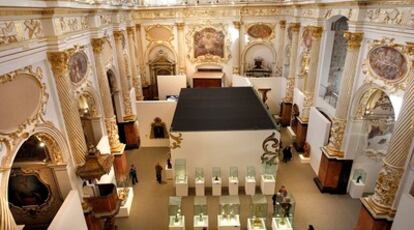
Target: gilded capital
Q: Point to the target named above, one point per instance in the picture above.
(97, 44)
(138, 26)
(180, 25)
(316, 31)
(118, 35)
(59, 62)
(294, 26)
(282, 24)
(131, 30)
(354, 39)
(410, 48)
(237, 24)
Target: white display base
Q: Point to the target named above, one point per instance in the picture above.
(276, 225)
(200, 225)
(304, 160)
(233, 186)
(228, 224)
(199, 187)
(356, 189)
(168, 173)
(181, 188)
(250, 225)
(216, 184)
(180, 225)
(250, 185)
(126, 208)
(267, 185)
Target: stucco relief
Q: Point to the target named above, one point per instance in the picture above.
(388, 63)
(260, 31)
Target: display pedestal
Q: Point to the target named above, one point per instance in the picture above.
(168, 173)
(250, 185)
(177, 225)
(303, 159)
(181, 187)
(256, 226)
(267, 184)
(301, 130)
(125, 209)
(285, 113)
(216, 184)
(200, 224)
(278, 225)
(356, 189)
(225, 223)
(233, 186)
(199, 187)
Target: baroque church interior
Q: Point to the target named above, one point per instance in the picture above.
(207, 114)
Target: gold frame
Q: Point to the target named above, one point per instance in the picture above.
(212, 59)
(81, 50)
(372, 77)
(269, 38)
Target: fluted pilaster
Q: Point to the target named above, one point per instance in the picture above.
(294, 29)
(68, 102)
(140, 55)
(388, 182)
(110, 119)
(316, 32)
(181, 45)
(347, 81)
(237, 54)
(120, 43)
(280, 33)
(136, 78)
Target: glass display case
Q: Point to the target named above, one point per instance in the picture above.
(216, 181)
(359, 176)
(268, 179)
(216, 173)
(229, 211)
(233, 174)
(199, 181)
(269, 170)
(200, 213)
(180, 171)
(233, 181)
(251, 172)
(357, 185)
(258, 212)
(250, 181)
(176, 218)
(284, 211)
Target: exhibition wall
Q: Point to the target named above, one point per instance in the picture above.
(274, 96)
(170, 85)
(147, 111)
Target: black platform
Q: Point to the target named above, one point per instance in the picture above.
(220, 109)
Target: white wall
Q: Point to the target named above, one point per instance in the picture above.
(70, 215)
(147, 111)
(170, 85)
(274, 96)
(317, 136)
(222, 149)
(298, 99)
(239, 81)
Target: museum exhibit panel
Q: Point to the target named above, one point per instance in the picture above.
(229, 213)
(258, 212)
(93, 91)
(200, 218)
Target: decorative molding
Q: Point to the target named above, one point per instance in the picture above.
(176, 140)
(354, 39)
(20, 30)
(271, 150)
(261, 26)
(70, 24)
(167, 39)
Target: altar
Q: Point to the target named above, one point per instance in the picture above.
(216, 130)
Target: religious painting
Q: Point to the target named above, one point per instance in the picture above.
(307, 38)
(388, 63)
(27, 190)
(209, 42)
(261, 31)
(78, 67)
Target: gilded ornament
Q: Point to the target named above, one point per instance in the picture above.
(237, 24)
(337, 135)
(282, 24)
(176, 140)
(113, 137)
(353, 39)
(271, 150)
(98, 44)
(180, 25)
(316, 31)
(59, 62)
(34, 28)
(8, 33)
(294, 27)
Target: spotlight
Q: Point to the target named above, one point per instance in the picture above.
(42, 144)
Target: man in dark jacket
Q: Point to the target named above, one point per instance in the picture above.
(158, 170)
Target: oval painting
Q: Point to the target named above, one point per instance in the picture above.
(388, 63)
(260, 31)
(78, 66)
(20, 100)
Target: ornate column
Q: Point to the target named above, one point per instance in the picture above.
(69, 104)
(181, 47)
(6, 217)
(120, 43)
(334, 146)
(136, 78)
(109, 115)
(294, 29)
(140, 55)
(381, 205)
(280, 46)
(236, 58)
(316, 32)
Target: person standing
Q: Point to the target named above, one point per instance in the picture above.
(133, 174)
(158, 170)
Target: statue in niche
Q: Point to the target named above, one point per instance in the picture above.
(158, 129)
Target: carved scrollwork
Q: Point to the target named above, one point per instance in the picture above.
(271, 149)
(176, 141)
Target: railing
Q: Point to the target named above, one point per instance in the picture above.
(328, 95)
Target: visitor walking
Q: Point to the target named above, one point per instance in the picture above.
(158, 170)
(133, 174)
(287, 153)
